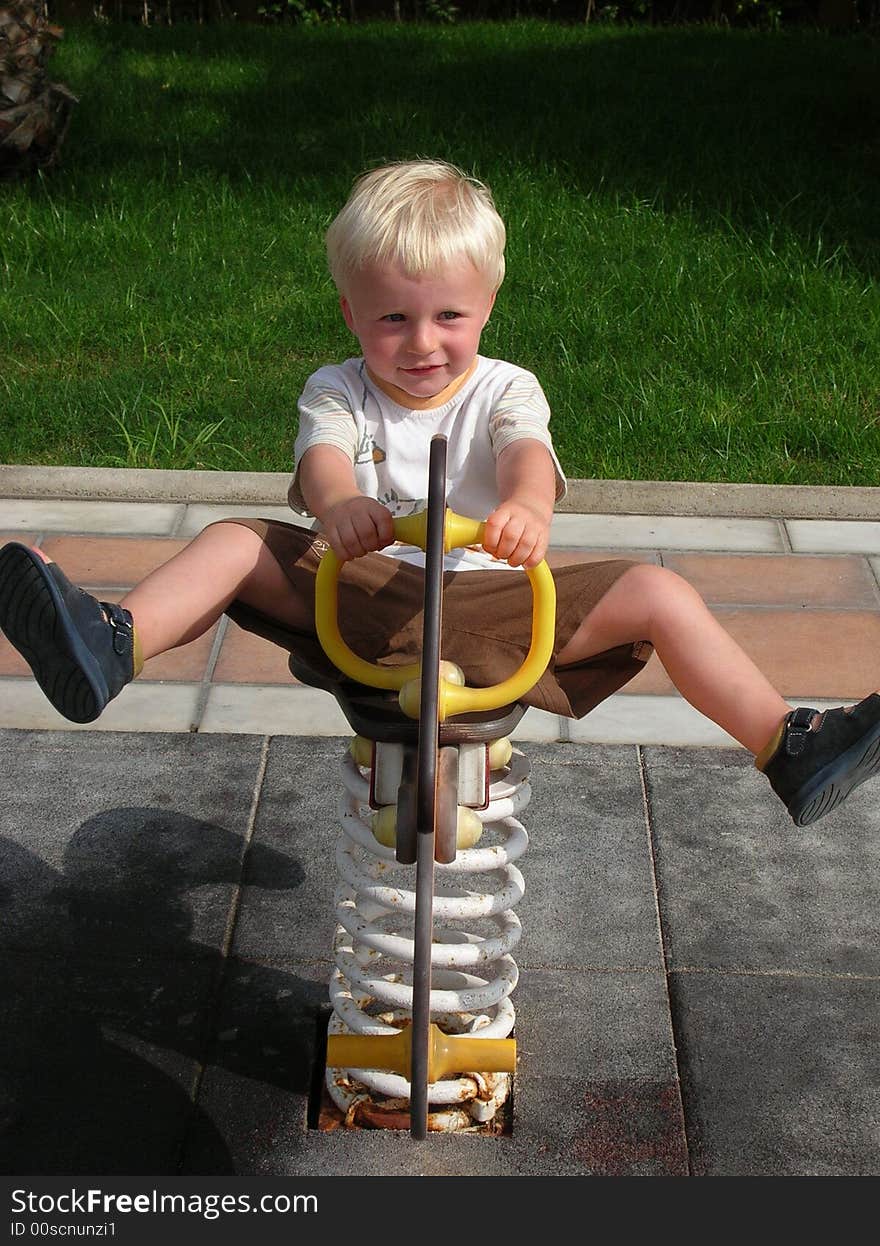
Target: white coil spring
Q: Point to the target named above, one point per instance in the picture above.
(472, 974)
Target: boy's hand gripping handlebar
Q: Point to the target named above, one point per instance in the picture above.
(452, 699)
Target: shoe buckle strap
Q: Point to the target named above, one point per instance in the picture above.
(800, 722)
(123, 631)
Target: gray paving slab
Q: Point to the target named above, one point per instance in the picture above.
(742, 887)
(636, 532)
(631, 718)
(279, 709)
(142, 707)
(772, 937)
(97, 1062)
(781, 1075)
(119, 867)
(131, 849)
(289, 912)
(834, 536)
(266, 1019)
(256, 1081)
(597, 1084)
(113, 518)
(589, 898)
(198, 517)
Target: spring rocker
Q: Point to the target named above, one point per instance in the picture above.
(419, 1035)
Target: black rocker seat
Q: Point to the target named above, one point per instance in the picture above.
(375, 713)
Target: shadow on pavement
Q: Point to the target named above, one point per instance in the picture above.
(111, 1001)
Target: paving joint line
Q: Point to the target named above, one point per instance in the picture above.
(228, 937)
(647, 970)
(814, 607)
(742, 972)
(178, 523)
(206, 682)
(874, 569)
(655, 886)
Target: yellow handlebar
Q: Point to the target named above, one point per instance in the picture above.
(453, 699)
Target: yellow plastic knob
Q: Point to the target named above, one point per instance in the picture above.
(500, 753)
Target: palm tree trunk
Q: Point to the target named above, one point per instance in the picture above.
(34, 112)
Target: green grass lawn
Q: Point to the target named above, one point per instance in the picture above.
(693, 256)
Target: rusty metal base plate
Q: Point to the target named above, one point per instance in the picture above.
(328, 1117)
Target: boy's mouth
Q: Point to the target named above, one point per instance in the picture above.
(425, 370)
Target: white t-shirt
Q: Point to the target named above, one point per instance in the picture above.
(389, 444)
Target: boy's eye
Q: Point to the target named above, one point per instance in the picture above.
(397, 317)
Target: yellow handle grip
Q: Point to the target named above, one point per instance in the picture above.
(453, 699)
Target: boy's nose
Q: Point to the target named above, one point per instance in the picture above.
(422, 340)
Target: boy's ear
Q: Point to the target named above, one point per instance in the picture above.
(346, 312)
(491, 305)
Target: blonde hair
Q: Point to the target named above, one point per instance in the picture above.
(420, 214)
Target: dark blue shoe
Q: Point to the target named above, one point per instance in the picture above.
(80, 650)
(822, 757)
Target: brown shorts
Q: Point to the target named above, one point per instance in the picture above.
(487, 619)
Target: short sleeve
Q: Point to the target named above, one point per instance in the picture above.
(325, 419)
(522, 411)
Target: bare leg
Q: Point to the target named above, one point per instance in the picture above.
(83, 652)
(706, 664)
(183, 598)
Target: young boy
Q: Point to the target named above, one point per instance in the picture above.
(417, 255)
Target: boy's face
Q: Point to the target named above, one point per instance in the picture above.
(421, 334)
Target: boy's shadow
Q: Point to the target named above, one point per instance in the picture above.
(115, 989)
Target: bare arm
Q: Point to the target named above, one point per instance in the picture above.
(353, 523)
(519, 527)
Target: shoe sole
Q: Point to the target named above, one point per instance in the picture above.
(36, 620)
(833, 784)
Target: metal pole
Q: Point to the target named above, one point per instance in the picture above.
(426, 789)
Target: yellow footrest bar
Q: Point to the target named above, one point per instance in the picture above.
(447, 1053)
